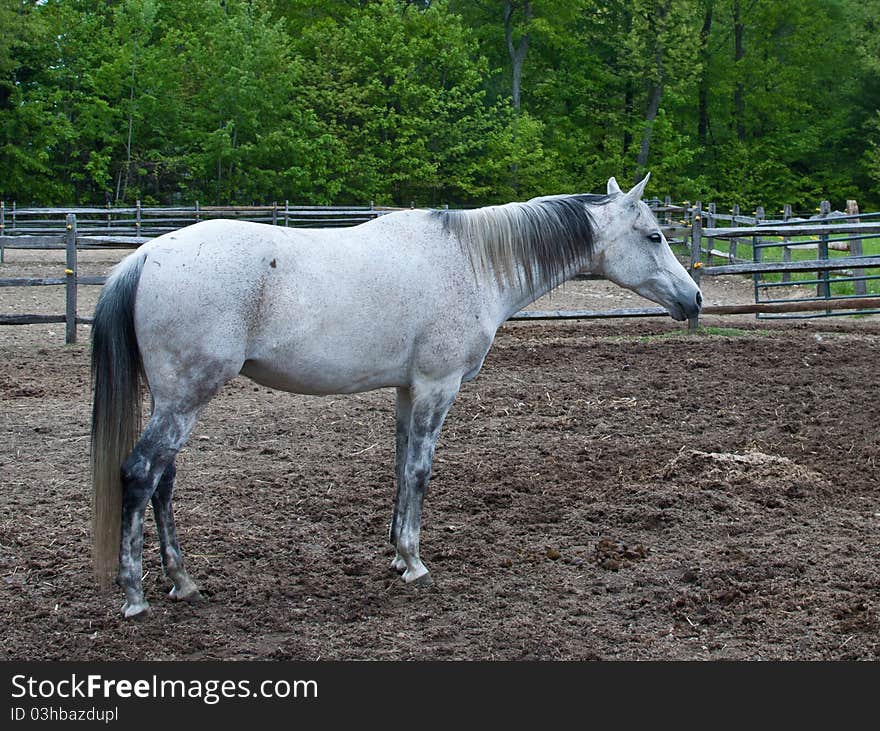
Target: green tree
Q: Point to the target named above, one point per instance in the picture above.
(24, 53)
(746, 101)
(400, 91)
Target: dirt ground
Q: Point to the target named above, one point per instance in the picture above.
(604, 490)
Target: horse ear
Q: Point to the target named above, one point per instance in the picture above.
(635, 194)
(613, 187)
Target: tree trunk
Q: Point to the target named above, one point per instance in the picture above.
(627, 116)
(655, 93)
(703, 91)
(628, 93)
(739, 105)
(127, 176)
(517, 51)
(650, 115)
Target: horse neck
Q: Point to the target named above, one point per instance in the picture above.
(513, 296)
(520, 251)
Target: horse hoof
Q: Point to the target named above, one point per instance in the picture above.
(190, 596)
(420, 581)
(398, 564)
(136, 612)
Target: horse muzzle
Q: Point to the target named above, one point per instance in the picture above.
(685, 309)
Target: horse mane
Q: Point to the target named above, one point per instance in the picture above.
(536, 241)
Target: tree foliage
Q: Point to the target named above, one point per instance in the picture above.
(437, 101)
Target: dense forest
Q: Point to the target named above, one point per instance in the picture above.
(437, 101)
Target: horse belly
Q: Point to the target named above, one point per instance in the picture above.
(314, 383)
(321, 365)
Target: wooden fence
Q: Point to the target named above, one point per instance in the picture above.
(844, 233)
(695, 230)
(146, 222)
(73, 229)
(685, 225)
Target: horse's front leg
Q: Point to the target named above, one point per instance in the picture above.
(430, 403)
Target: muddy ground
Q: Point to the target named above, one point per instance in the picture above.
(604, 490)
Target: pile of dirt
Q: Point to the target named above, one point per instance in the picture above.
(760, 475)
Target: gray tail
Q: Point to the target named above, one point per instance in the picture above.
(116, 409)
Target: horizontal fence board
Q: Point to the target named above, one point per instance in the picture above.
(30, 319)
(811, 229)
(719, 254)
(177, 210)
(34, 246)
(588, 314)
(749, 308)
(72, 209)
(853, 303)
(107, 241)
(842, 262)
(32, 281)
(49, 281)
(35, 242)
(673, 231)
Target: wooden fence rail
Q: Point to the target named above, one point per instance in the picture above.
(42, 229)
(689, 230)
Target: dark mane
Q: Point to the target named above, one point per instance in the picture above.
(537, 241)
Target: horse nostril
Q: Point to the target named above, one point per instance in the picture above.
(699, 300)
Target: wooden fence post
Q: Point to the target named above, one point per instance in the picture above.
(137, 218)
(2, 228)
(710, 223)
(855, 249)
(757, 253)
(286, 213)
(759, 217)
(70, 285)
(823, 289)
(786, 252)
(275, 213)
(731, 247)
(696, 256)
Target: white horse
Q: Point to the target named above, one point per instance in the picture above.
(411, 300)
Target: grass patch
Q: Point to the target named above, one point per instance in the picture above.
(713, 332)
(731, 332)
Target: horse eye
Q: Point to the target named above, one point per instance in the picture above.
(655, 237)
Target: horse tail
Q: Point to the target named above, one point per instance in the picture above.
(116, 409)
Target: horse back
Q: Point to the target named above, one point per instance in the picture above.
(315, 310)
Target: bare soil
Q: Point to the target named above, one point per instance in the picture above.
(604, 490)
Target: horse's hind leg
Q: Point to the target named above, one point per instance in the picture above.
(154, 452)
(172, 557)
